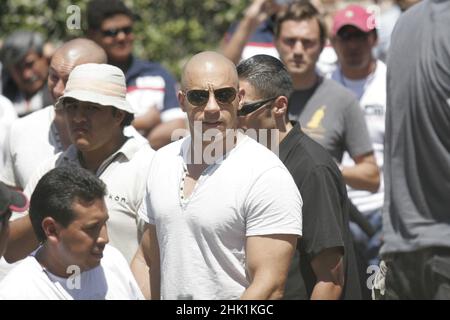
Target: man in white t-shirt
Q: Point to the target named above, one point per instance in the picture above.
(96, 112)
(69, 214)
(223, 212)
(354, 36)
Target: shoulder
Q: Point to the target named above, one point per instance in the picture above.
(20, 277)
(340, 95)
(254, 155)
(40, 118)
(307, 157)
(7, 112)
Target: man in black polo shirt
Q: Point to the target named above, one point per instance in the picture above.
(324, 266)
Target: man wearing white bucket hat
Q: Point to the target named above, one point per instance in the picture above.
(96, 112)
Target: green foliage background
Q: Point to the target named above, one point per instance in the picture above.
(166, 31)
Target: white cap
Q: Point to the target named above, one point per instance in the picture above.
(103, 84)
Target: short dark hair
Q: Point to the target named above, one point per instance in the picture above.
(300, 11)
(18, 44)
(129, 117)
(56, 192)
(99, 10)
(267, 75)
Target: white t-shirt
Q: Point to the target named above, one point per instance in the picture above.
(125, 174)
(202, 238)
(111, 280)
(7, 116)
(372, 97)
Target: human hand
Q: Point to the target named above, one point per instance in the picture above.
(260, 10)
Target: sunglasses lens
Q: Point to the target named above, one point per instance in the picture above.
(225, 95)
(114, 32)
(198, 97)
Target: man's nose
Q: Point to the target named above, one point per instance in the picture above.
(103, 237)
(77, 114)
(298, 47)
(121, 35)
(27, 73)
(212, 105)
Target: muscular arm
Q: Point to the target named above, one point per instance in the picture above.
(328, 267)
(268, 259)
(146, 264)
(21, 241)
(364, 175)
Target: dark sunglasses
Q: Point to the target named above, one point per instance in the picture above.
(250, 107)
(200, 98)
(345, 35)
(113, 32)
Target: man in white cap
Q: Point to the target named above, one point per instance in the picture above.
(96, 111)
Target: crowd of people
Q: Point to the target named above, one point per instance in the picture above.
(309, 151)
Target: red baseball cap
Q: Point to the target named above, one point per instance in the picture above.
(353, 15)
(12, 200)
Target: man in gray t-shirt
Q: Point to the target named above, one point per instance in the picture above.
(327, 111)
(417, 155)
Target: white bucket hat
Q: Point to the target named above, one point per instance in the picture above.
(103, 84)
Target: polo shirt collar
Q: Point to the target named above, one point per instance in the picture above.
(128, 149)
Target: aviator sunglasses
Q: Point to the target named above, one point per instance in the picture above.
(250, 107)
(200, 98)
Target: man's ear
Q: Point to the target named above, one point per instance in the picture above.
(181, 99)
(119, 116)
(241, 95)
(51, 229)
(280, 106)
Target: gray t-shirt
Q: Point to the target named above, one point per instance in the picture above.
(417, 143)
(333, 118)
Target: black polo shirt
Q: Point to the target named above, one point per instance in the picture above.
(325, 213)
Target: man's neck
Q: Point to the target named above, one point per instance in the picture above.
(204, 154)
(284, 131)
(92, 160)
(359, 73)
(305, 82)
(122, 65)
(48, 260)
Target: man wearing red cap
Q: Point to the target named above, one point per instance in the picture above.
(354, 37)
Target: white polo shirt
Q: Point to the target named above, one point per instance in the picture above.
(125, 174)
(202, 238)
